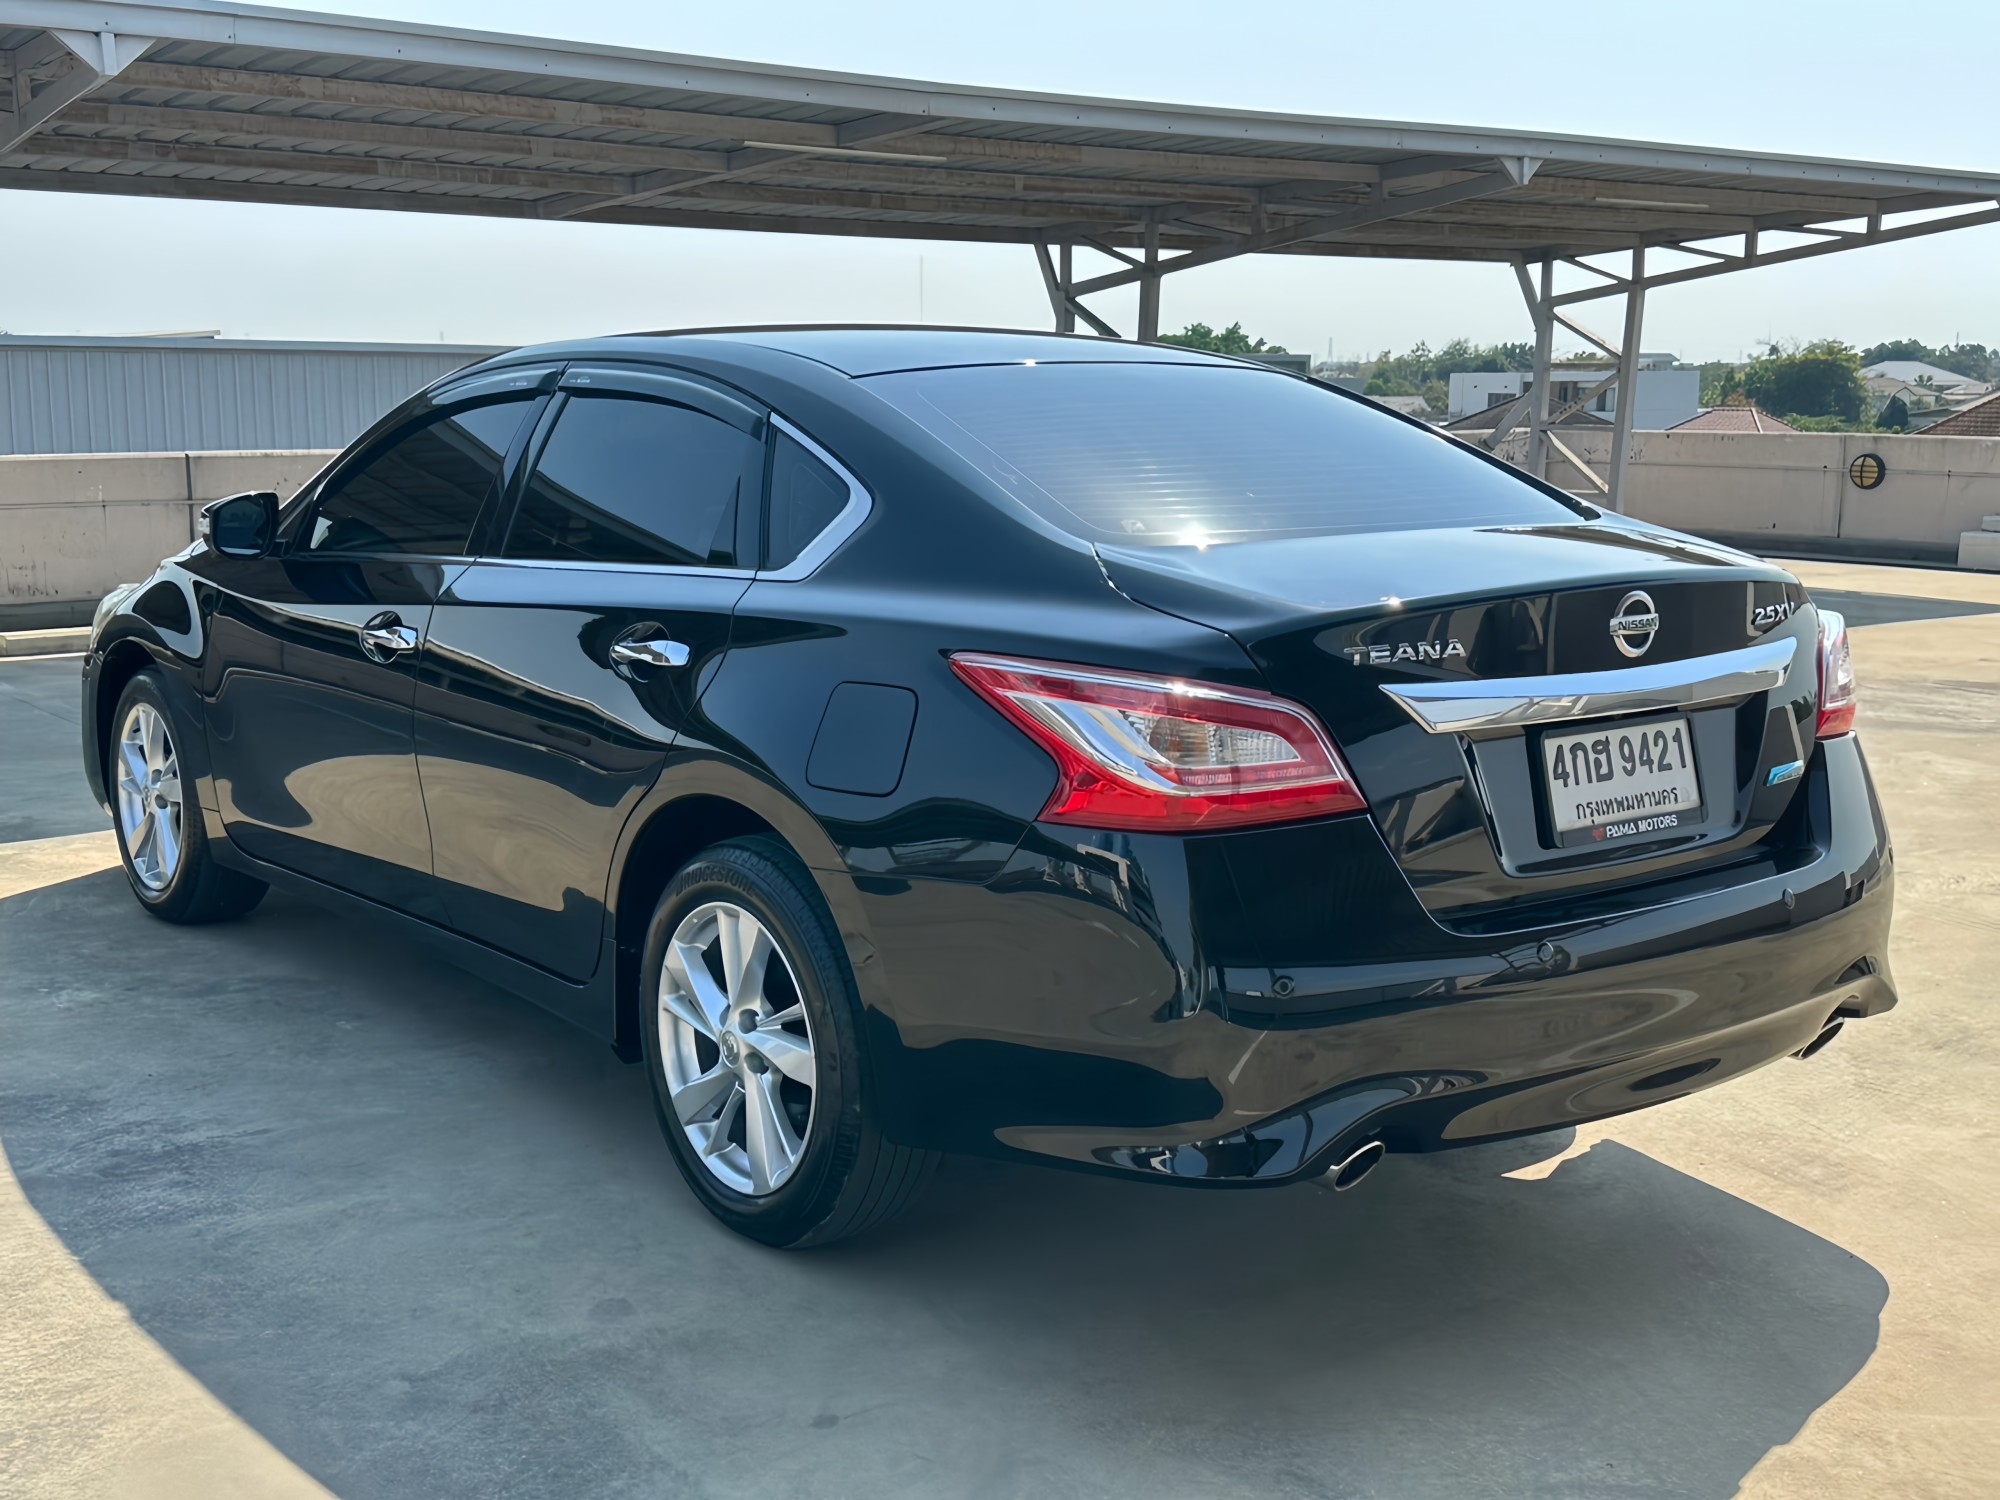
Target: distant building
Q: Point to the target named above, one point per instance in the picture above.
(1295, 364)
(1734, 419)
(1667, 394)
(1981, 419)
(1926, 391)
(1409, 406)
(182, 394)
(1914, 372)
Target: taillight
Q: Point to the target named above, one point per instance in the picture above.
(1162, 755)
(1836, 676)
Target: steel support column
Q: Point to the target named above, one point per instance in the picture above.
(1149, 288)
(1059, 284)
(1628, 383)
(1539, 388)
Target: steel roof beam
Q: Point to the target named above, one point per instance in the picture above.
(1378, 211)
(518, 145)
(756, 160)
(823, 169)
(1719, 199)
(414, 200)
(248, 83)
(1756, 257)
(311, 88)
(738, 191)
(97, 58)
(318, 163)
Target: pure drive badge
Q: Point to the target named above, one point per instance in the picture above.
(1383, 656)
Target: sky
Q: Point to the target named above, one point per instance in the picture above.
(1821, 77)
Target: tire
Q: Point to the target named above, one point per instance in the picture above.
(160, 835)
(821, 1170)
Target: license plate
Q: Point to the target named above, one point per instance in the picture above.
(1620, 780)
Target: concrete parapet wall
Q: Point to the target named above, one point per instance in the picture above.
(72, 527)
(1794, 486)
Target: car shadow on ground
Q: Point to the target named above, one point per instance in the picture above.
(426, 1241)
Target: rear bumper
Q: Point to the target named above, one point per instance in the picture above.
(1248, 1009)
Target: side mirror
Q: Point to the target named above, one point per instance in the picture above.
(242, 525)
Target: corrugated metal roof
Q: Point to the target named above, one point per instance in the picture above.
(462, 353)
(248, 103)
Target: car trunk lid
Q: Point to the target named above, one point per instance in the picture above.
(1467, 810)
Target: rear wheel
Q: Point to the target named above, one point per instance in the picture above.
(158, 821)
(750, 1021)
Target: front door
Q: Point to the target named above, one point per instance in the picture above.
(559, 670)
(311, 669)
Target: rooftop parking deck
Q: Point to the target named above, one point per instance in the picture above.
(288, 1209)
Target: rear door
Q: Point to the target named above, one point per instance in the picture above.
(564, 661)
(311, 669)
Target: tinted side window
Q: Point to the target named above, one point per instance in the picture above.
(805, 497)
(624, 480)
(423, 492)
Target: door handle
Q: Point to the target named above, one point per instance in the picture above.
(655, 651)
(385, 637)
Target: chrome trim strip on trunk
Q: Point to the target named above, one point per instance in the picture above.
(1499, 703)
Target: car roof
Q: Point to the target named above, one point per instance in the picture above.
(859, 350)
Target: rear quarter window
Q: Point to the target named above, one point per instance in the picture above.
(1180, 455)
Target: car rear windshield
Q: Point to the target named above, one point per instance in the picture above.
(1179, 455)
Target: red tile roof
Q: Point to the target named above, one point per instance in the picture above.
(1981, 419)
(1733, 419)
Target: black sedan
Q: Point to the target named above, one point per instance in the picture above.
(906, 741)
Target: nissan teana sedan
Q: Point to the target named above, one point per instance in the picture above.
(910, 741)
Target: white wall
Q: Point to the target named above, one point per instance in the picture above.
(1794, 486)
(1666, 397)
(74, 527)
(1471, 391)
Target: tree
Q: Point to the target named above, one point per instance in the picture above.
(1232, 340)
(1823, 379)
(1895, 415)
(1720, 380)
(1916, 349)
(1426, 372)
(1974, 361)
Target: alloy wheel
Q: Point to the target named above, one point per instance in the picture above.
(149, 797)
(737, 1048)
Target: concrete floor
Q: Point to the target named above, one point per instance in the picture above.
(42, 791)
(285, 1206)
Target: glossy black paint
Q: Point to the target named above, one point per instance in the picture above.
(1239, 1007)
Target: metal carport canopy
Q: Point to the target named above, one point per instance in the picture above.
(249, 103)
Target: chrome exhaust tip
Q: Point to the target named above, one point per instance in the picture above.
(1820, 1043)
(1349, 1171)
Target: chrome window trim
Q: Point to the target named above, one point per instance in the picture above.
(859, 504)
(584, 565)
(1501, 703)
